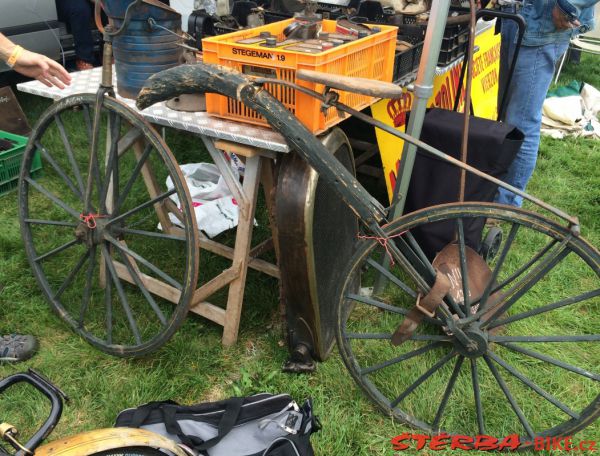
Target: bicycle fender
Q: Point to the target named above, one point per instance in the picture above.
(89, 443)
(226, 81)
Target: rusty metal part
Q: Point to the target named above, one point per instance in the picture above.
(9, 433)
(424, 307)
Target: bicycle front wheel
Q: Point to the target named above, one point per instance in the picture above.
(534, 320)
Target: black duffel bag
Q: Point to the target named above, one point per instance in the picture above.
(258, 425)
(492, 147)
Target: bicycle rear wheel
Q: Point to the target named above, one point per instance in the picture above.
(535, 321)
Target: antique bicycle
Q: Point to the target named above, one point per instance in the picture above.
(439, 335)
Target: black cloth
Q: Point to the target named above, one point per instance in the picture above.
(492, 147)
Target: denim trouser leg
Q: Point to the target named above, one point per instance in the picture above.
(531, 80)
(78, 15)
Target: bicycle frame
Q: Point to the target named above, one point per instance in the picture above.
(250, 91)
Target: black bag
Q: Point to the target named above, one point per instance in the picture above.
(258, 425)
(492, 147)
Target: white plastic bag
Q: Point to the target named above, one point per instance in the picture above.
(215, 208)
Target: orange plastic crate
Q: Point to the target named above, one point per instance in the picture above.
(370, 57)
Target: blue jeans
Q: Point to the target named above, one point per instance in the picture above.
(78, 16)
(530, 82)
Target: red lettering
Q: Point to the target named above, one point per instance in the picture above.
(397, 442)
(421, 440)
(556, 443)
(462, 442)
(539, 443)
(569, 444)
(511, 442)
(486, 443)
(439, 442)
(587, 445)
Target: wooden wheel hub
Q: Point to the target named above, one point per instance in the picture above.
(477, 346)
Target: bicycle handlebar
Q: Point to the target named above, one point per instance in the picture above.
(55, 397)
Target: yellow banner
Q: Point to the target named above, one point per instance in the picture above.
(484, 94)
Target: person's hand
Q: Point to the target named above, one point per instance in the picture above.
(562, 21)
(42, 68)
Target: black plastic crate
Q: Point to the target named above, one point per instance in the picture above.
(405, 62)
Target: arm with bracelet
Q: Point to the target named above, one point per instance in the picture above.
(33, 65)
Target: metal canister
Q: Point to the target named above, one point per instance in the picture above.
(149, 44)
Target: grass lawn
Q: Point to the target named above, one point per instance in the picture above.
(194, 367)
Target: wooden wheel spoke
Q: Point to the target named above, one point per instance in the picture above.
(144, 262)
(59, 170)
(69, 151)
(577, 338)
(525, 380)
(463, 266)
(387, 336)
(111, 173)
(94, 166)
(551, 360)
(498, 267)
(121, 292)
(108, 305)
(448, 392)
(134, 175)
(509, 396)
(432, 370)
(515, 275)
(381, 305)
(392, 278)
(477, 396)
(56, 250)
(547, 308)
(55, 199)
(50, 222)
(143, 206)
(140, 283)
(87, 291)
(69, 279)
(414, 245)
(152, 234)
(399, 359)
(532, 278)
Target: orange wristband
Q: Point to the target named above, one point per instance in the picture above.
(14, 55)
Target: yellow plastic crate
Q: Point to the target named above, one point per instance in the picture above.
(369, 57)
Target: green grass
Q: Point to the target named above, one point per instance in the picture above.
(194, 367)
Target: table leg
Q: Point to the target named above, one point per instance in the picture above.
(242, 249)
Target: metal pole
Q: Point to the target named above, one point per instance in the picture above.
(423, 89)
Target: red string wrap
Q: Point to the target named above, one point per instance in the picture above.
(90, 219)
(383, 241)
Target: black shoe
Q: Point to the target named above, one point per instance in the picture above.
(17, 347)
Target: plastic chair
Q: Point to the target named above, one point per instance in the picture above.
(587, 42)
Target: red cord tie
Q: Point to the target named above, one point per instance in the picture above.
(383, 241)
(90, 219)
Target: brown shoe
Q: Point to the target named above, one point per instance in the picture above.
(83, 65)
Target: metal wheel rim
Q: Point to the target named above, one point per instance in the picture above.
(192, 250)
(586, 252)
